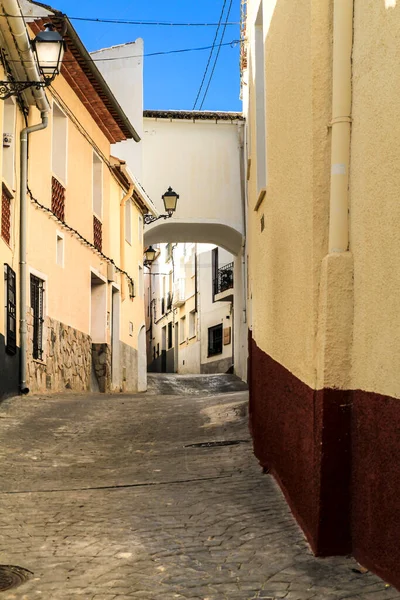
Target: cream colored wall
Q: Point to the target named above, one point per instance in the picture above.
(9, 254)
(374, 197)
(285, 259)
(68, 289)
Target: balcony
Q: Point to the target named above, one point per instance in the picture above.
(223, 284)
(179, 292)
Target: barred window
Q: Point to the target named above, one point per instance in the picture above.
(37, 298)
(5, 215)
(11, 310)
(215, 340)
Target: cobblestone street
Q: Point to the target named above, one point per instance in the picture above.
(104, 497)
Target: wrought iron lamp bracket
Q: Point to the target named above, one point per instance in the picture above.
(150, 218)
(14, 88)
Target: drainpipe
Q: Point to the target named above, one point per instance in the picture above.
(341, 125)
(23, 45)
(122, 235)
(244, 201)
(23, 246)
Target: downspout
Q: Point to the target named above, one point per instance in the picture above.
(23, 246)
(244, 216)
(122, 236)
(341, 125)
(23, 45)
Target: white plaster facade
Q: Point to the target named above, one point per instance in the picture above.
(182, 307)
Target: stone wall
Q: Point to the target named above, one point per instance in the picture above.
(101, 356)
(67, 359)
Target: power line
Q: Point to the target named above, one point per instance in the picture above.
(217, 55)
(232, 43)
(123, 21)
(211, 53)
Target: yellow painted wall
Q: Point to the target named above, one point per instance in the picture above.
(374, 196)
(285, 259)
(69, 287)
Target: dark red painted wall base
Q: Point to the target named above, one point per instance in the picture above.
(376, 484)
(336, 456)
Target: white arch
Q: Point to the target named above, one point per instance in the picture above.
(204, 232)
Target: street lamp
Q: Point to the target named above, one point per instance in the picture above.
(48, 48)
(170, 199)
(150, 256)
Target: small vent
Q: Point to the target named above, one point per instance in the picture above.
(57, 199)
(97, 233)
(6, 216)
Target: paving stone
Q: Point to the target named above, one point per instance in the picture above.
(102, 500)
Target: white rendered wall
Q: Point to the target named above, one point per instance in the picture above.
(200, 160)
(212, 313)
(122, 68)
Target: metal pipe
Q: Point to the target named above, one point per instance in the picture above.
(341, 125)
(23, 246)
(122, 236)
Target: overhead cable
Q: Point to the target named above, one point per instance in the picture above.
(217, 56)
(211, 53)
(233, 43)
(122, 21)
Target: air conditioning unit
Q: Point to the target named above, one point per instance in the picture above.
(7, 140)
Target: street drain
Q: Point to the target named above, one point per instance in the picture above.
(12, 577)
(217, 444)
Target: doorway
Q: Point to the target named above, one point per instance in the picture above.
(164, 350)
(115, 338)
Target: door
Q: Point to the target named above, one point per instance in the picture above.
(164, 350)
(176, 354)
(115, 335)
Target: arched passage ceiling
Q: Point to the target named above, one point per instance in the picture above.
(205, 232)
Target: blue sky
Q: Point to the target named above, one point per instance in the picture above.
(170, 82)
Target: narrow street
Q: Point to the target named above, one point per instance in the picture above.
(109, 497)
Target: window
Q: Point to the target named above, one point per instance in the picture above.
(9, 142)
(128, 221)
(11, 310)
(169, 335)
(60, 249)
(6, 215)
(214, 271)
(59, 144)
(260, 128)
(37, 298)
(182, 328)
(192, 324)
(97, 186)
(215, 340)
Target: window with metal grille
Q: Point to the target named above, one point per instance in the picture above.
(6, 215)
(11, 310)
(57, 199)
(37, 298)
(169, 336)
(97, 233)
(215, 341)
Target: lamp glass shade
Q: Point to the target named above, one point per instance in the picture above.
(170, 199)
(150, 254)
(49, 48)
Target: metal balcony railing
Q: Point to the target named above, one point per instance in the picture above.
(224, 280)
